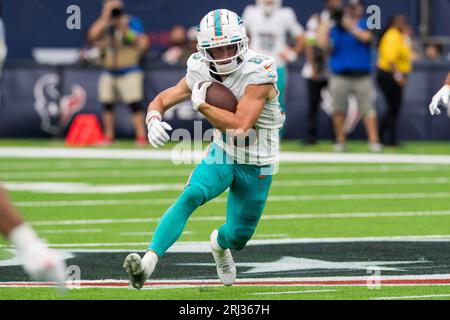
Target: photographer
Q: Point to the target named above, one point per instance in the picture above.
(349, 41)
(315, 70)
(122, 42)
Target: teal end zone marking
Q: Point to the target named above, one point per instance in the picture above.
(217, 24)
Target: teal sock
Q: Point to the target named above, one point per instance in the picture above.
(282, 85)
(174, 220)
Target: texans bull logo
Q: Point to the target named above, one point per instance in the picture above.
(54, 108)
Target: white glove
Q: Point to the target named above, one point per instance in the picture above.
(157, 135)
(40, 262)
(198, 96)
(442, 97)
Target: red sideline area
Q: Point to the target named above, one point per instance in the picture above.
(271, 282)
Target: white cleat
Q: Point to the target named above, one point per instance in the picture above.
(139, 270)
(375, 147)
(226, 269)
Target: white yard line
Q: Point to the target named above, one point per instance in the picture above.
(412, 297)
(290, 292)
(297, 157)
(80, 164)
(373, 168)
(287, 168)
(87, 188)
(295, 198)
(408, 280)
(65, 174)
(149, 233)
(291, 216)
(205, 246)
(66, 231)
(177, 172)
(265, 236)
(353, 182)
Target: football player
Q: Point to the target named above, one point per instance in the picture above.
(268, 24)
(442, 97)
(38, 260)
(223, 56)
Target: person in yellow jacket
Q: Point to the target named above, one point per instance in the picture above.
(395, 57)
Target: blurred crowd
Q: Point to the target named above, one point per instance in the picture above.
(343, 60)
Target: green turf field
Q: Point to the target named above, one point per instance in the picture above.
(83, 204)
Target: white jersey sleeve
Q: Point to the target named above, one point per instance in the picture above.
(195, 70)
(261, 69)
(292, 24)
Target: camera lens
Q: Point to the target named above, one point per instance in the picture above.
(116, 12)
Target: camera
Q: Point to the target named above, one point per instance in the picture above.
(337, 15)
(116, 13)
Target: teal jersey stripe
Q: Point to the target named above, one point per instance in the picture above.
(217, 23)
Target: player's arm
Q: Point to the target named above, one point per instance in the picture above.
(290, 54)
(247, 112)
(441, 97)
(157, 135)
(300, 43)
(170, 97)
(9, 216)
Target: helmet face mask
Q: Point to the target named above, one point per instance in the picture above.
(219, 29)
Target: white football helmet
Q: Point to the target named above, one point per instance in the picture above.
(269, 6)
(221, 28)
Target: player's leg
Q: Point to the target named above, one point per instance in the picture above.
(390, 91)
(339, 90)
(131, 88)
(108, 122)
(138, 122)
(282, 86)
(166, 234)
(9, 216)
(209, 179)
(38, 260)
(364, 93)
(245, 204)
(107, 98)
(314, 90)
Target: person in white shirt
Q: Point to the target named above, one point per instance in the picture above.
(268, 24)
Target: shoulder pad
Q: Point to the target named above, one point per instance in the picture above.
(194, 62)
(260, 68)
(195, 70)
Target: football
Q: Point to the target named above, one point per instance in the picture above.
(221, 97)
